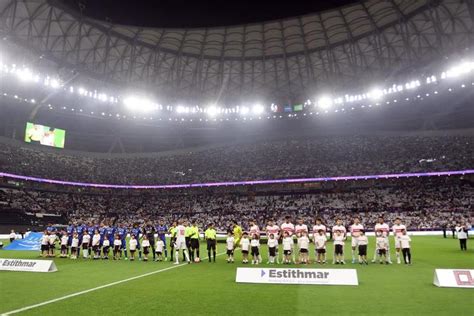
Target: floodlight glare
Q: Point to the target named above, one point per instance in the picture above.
(244, 110)
(25, 75)
(325, 102)
(213, 110)
(257, 109)
(135, 103)
(375, 94)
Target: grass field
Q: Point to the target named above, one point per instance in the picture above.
(210, 289)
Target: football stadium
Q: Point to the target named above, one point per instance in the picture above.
(236, 157)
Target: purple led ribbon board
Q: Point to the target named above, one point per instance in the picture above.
(233, 183)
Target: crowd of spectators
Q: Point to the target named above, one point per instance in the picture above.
(422, 204)
(315, 157)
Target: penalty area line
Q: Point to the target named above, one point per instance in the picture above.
(65, 297)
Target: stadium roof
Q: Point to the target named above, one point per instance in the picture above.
(284, 60)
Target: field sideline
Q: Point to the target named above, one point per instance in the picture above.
(209, 288)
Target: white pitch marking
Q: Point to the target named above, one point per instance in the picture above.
(95, 289)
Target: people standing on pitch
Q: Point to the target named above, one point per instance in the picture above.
(149, 232)
(462, 235)
(70, 230)
(405, 241)
(300, 227)
(96, 244)
(172, 239)
(102, 233)
(362, 242)
(132, 246)
(64, 241)
(211, 239)
(255, 231)
(194, 236)
(355, 230)
(273, 229)
(117, 247)
(45, 244)
(320, 244)
(146, 247)
(51, 229)
(342, 229)
(272, 244)
(287, 247)
(339, 240)
(255, 249)
(75, 246)
(181, 242)
(161, 230)
(230, 247)
(122, 232)
(136, 231)
(105, 247)
(245, 247)
(90, 231)
(385, 229)
(86, 239)
(111, 231)
(52, 244)
(398, 229)
(381, 246)
(238, 232)
(187, 238)
(288, 227)
(159, 247)
(80, 229)
(303, 247)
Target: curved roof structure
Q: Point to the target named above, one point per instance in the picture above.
(284, 60)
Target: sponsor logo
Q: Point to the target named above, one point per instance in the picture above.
(17, 263)
(296, 274)
(463, 278)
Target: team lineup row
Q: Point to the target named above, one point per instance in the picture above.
(96, 241)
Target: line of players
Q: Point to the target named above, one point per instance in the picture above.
(288, 234)
(96, 241)
(101, 240)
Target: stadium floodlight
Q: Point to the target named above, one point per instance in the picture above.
(244, 110)
(375, 94)
(258, 109)
(139, 104)
(325, 102)
(461, 69)
(54, 83)
(25, 75)
(180, 109)
(213, 110)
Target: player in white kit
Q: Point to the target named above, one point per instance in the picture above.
(385, 229)
(180, 243)
(255, 231)
(300, 228)
(342, 229)
(288, 227)
(355, 230)
(273, 229)
(397, 230)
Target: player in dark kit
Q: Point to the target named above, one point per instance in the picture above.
(161, 230)
(80, 229)
(70, 231)
(136, 231)
(149, 232)
(122, 231)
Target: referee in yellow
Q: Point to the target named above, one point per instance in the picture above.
(211, 237)
(194, 236)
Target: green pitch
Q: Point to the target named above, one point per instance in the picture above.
(210, 289)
